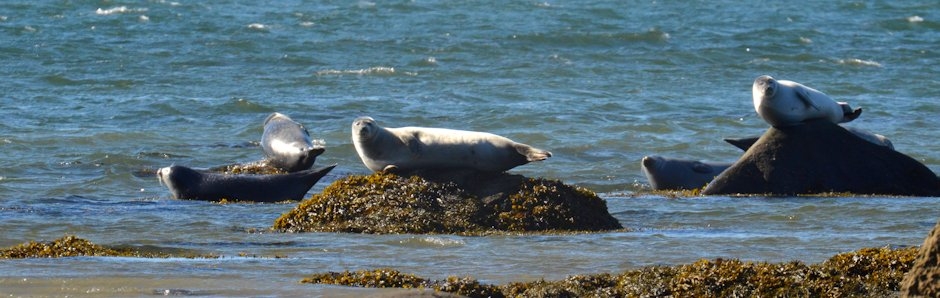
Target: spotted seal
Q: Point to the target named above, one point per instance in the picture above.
(678, 174)
(287, 144)
(784, 103)
(421, 148)
(189, 184)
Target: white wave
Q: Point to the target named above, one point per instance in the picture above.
(257, 26)
(859, 62)
(117, 10)
(915, 19)
(381, 70)
(434, 241)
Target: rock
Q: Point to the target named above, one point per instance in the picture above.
(923, 280)
(820, 157)
(452, 202)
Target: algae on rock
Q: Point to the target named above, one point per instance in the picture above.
(869, 272)
(72, 246)
(461, 203)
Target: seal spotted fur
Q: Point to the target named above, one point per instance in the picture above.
(422, 148)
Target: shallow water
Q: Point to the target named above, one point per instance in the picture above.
(95, 95)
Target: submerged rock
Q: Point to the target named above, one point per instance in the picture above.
(448, 202)
(869, 272)
(924, 278)
(72, 246)
(820, 157)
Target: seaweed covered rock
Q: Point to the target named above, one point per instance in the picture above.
(72, 246)
(870, 272)
(448, 202)
(389, 278)
(924, 278)
(68, 246)
(818, 157)
(261, 167)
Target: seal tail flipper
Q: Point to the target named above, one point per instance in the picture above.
(848, 114)
(743, 143)
(315, 151)
(532, 154)
(320, 173)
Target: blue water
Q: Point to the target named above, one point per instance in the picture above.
(95, 94)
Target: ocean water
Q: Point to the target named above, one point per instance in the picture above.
(95, 94)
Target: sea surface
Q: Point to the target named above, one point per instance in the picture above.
(96, 95)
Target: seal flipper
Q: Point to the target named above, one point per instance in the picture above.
(743, 143)
(848, 114)
(531, 153)
(314, 152)
(414, 146)
(804, 95)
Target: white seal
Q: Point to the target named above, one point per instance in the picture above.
(784, 103)
(287, 144)
(421, 148)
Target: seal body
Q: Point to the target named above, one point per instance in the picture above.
(819, 157)
(287, 144)
(679, 174)
(420, 148)
(877, 139)
(189, 184)
(784, 103)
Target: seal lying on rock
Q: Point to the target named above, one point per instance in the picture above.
(784, 103)
(406, 149)
(678, 174)
(287, 144)
(820, 156)
(877, 139)
(188, 184)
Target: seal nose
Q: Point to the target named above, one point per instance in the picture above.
(649, 162)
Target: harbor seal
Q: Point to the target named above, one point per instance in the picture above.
(784, 103)
(420, 148)
(189, 184)
(287, 144)
(877, 139)
(679, 174)
(819, 157)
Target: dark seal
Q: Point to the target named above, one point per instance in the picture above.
(679, 174)
(188, 184)
(819, 156)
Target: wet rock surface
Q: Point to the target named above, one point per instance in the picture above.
(924, 278)
(451, 202)
(820, 157)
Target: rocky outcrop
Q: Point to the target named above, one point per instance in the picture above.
(448, 202)
(923, 280)
(821, 157)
